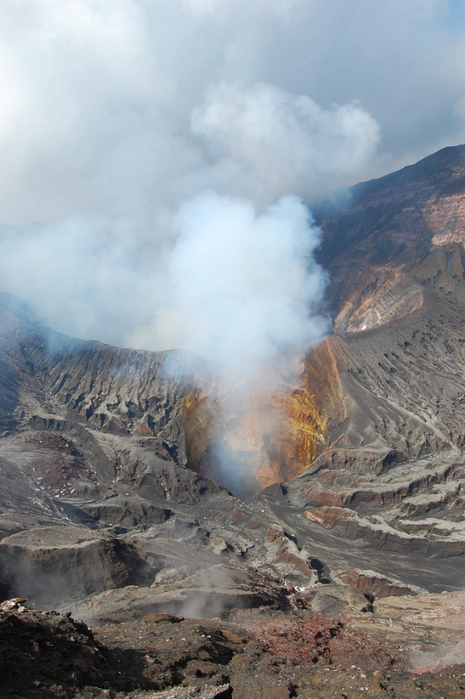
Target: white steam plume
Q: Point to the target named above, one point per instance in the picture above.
(268, 142)
(115, 274)
(244, 282)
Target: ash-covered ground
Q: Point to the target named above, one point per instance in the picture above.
(267, 653)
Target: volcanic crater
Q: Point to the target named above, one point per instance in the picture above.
(330, 562)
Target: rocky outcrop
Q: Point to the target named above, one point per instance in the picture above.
(262, 653)
(53, 563)
(393, 221)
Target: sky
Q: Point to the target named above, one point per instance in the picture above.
(160, 157)
(455, 20)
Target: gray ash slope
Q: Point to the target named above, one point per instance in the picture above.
(392, 469)
(100, 510)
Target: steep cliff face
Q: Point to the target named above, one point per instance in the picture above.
(249, 438)
(398, 215)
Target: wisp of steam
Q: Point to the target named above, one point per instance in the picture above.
(245, 283)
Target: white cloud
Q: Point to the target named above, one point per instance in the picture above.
(284, 143)
(114, 116)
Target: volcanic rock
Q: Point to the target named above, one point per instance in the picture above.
(114, 501)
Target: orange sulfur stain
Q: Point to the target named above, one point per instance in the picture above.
(266, 436)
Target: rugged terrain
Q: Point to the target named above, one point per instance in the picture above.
(268, 654)
(116, 497)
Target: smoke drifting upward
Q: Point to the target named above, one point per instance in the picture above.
(268, 142)
(174, 209)
(245, 283)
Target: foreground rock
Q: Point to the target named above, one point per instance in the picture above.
(264, 654)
